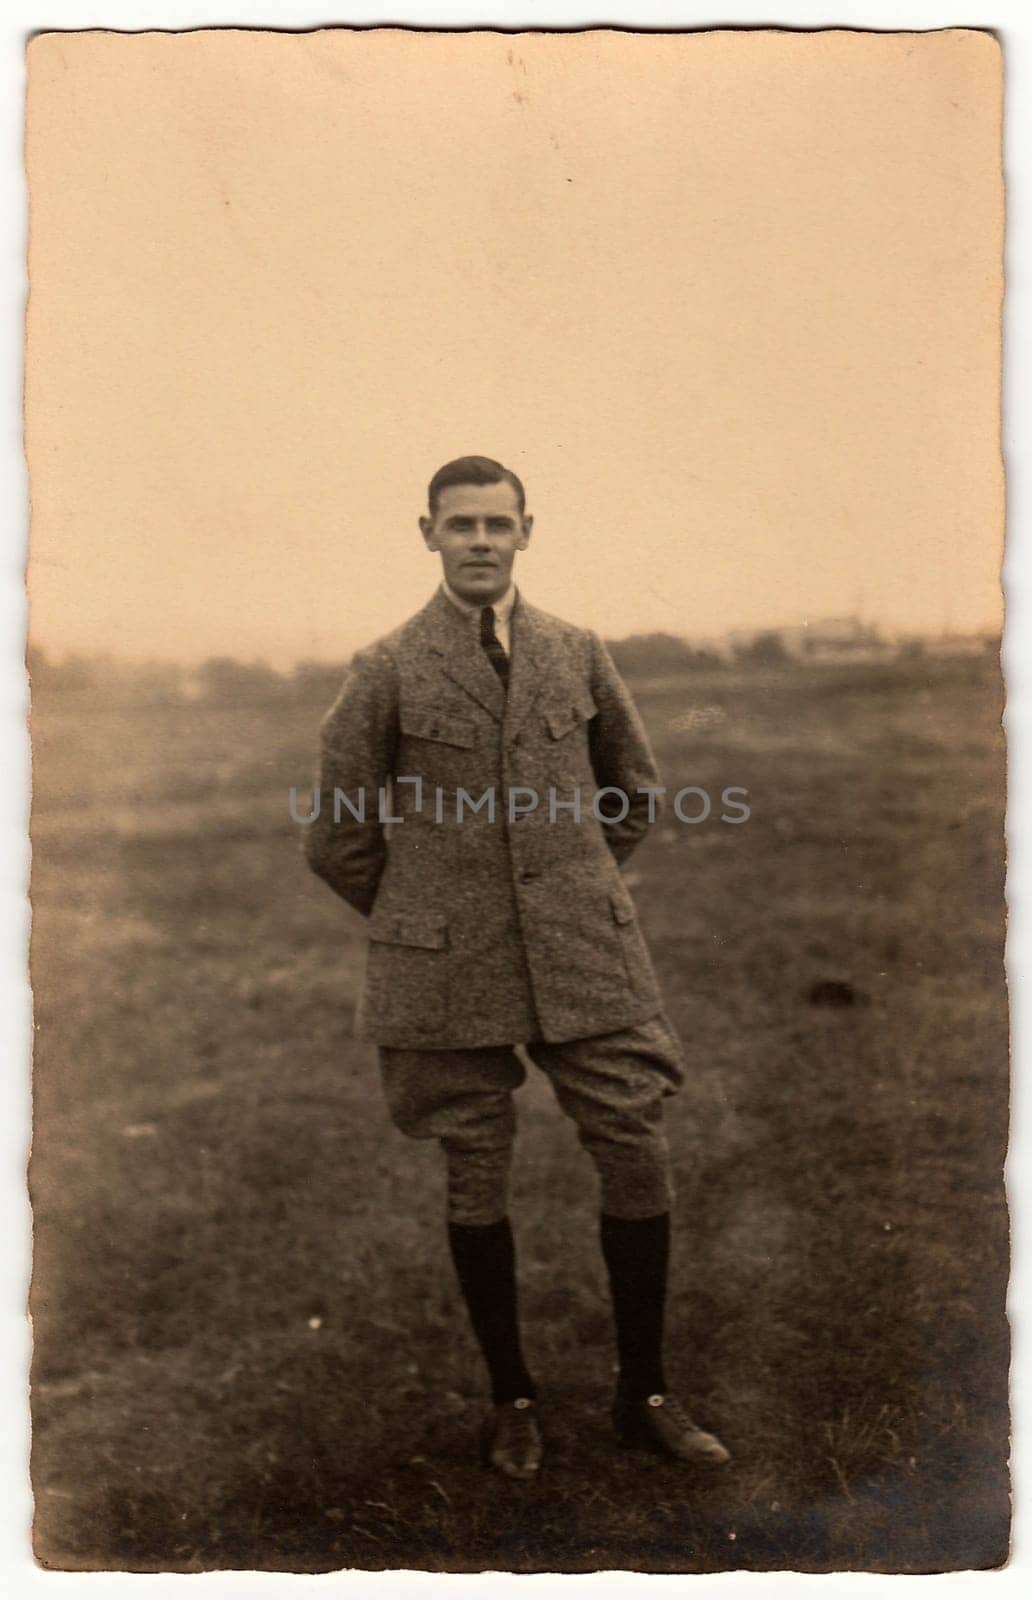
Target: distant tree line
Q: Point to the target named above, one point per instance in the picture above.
(226, 681)
(653, 654)
(221, 680)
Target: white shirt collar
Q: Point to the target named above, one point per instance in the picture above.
(502, 607)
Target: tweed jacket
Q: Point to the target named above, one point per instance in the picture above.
(491, 929)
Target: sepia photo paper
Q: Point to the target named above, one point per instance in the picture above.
(521, 1041)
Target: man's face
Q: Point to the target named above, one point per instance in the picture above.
(477, 531)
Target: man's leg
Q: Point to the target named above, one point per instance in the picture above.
(613, 1087)
(464, 1099)
(637, 1254)
(485, 1263)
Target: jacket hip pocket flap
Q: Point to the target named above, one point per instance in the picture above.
(623, 911)
(563, 719)
(438, 725)
(425, 931)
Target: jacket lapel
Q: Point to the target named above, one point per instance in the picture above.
(528, 670)
(453, 638)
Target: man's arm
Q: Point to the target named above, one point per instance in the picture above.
(359, 736)
(620, 754)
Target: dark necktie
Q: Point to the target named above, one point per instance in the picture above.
(493, 646)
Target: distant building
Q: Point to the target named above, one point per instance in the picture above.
(843, 639)
(833, 639)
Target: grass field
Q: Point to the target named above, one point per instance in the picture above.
(249, 1351)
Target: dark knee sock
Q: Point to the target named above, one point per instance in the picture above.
(485, 1261)
(636, 1255)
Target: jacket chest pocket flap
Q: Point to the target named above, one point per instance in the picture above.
(423, 930)
(561, 719)
(439, 726)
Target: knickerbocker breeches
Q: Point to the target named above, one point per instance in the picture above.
(612, 1086)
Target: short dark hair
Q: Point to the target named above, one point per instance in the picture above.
(472, 469)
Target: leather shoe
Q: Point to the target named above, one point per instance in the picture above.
(514, 1439)
(661, 1424)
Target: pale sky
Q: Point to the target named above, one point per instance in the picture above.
(729, 303)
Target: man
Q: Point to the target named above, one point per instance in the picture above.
(483, 773)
